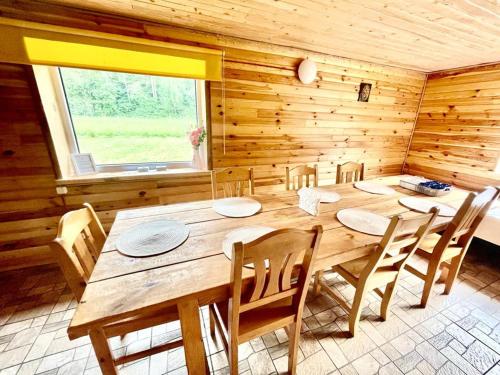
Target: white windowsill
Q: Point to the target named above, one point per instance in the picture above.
(130, 176)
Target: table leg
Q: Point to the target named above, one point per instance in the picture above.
(101, 348)
(191, 336)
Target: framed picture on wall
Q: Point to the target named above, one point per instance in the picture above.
(83, 164)
(364, 92)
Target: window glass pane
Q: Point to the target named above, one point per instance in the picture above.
(130, 118)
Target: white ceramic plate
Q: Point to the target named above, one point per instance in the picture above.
(425, 205)
(327, 196)
(245, 235)
(237, 207)
(363, 221)
(374, 188)
(152, 238)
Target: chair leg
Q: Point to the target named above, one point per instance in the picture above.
(293, 344)
(456, 263)
(233, 358)
(317, 286)
(386, 300)
(355, 312)
(432, 270)
(212, 322)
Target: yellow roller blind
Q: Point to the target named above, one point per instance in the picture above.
(32, 43)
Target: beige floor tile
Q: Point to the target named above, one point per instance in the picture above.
(366, 365)
(13, 357)
(317, 364)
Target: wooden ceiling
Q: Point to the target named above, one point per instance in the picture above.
(426, 35)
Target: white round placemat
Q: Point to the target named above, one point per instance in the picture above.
(245, 235)
(152, 238)
(363, 221)
(374, 188)
(327, 196)
(425, 205)
(237, 207)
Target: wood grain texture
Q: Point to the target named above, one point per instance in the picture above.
(28, 199)
(270, 121)
(457, 134)
(422, 35)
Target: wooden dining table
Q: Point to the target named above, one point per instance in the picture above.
(197, 273)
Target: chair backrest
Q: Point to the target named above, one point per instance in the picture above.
(301, 174)
(462, 227)
(232, 182)
(279, 250)
(80, 238)
(400, 241)
(350, 172)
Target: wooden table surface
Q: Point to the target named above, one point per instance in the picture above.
(122, 287)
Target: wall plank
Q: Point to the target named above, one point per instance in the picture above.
(269, 120)
(28, 199)
(457, 135)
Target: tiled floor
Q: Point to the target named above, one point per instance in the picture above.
(456, 334)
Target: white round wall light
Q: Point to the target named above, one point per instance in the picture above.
(307, 71)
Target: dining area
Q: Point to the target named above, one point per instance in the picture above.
(252, 258)
(226, 187)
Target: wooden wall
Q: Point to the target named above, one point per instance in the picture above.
(271, 120)
(29, 205)
(457, 135)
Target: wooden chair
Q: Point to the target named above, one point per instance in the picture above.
(350, 172)
(76, 248)
(382, 268)
(299, 174)
(233, 182)
(266, 299)
(448, 250)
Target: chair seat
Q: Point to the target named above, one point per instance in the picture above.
(352, 270)
(419, 261)
(356, 266)
(274, 316)
(429, 242)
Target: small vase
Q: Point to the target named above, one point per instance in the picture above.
(197, 161)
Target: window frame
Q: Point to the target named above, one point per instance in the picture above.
(127, 167)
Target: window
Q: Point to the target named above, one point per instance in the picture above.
(130, 120)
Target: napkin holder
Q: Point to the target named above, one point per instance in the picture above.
(309, 201)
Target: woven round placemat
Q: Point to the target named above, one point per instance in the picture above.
(425, 205)
(363, 221)
(237, 207)
(245, 235)
(374, 188)
(152, 238)
(327, 196)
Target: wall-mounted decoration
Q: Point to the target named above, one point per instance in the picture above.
(307, 71)
(364, 92)
(83, 164)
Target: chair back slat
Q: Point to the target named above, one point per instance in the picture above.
(85, 257)
(232, 182)
(277, 274)
(300, 176)
(286, 273)
(259, 279)
(350, 172)
(400, 241)
(468, 217)
(78, 244)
